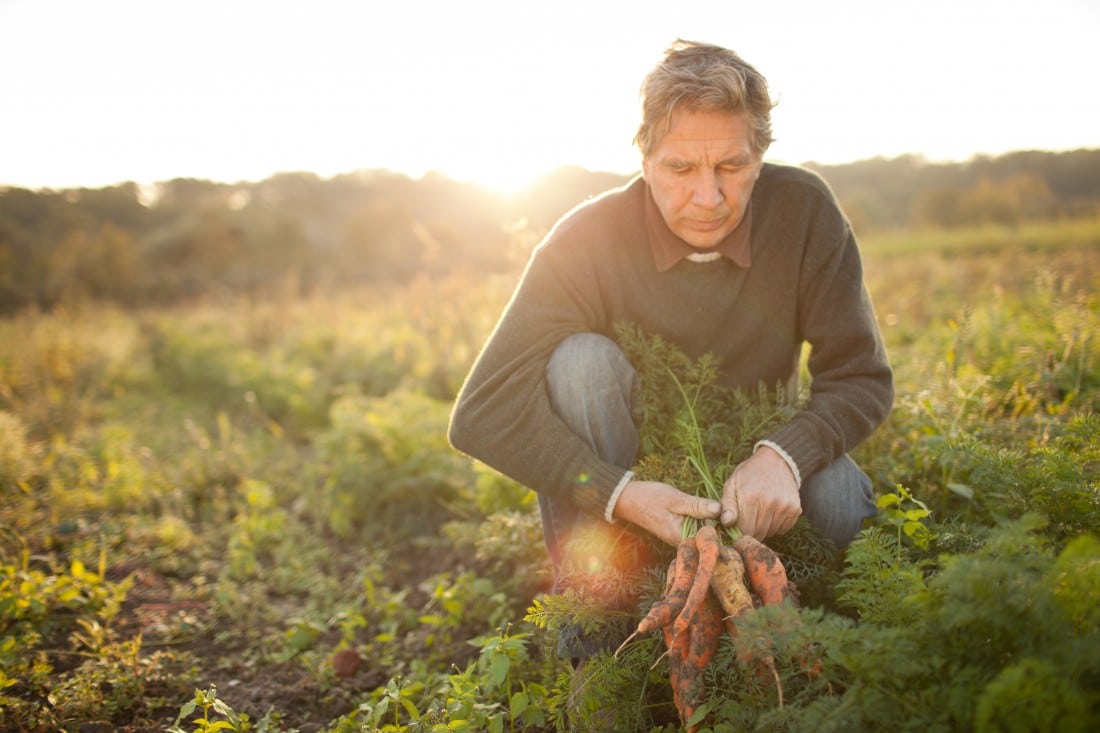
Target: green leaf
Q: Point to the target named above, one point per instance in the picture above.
(699, 714)
(413, 713)
(186, 710)
(432, 619)
(519, 703)
(888, 500)
(498, 671)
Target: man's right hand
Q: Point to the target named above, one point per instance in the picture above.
(660, 508)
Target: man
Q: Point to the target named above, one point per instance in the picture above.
(716, 251)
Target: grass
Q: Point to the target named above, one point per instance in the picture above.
(1042, 237)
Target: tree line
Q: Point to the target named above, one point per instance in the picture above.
(297, 232)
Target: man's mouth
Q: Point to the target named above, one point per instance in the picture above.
(705, 225)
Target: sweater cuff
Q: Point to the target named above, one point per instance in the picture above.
(800, 446)
(609, 511)
(784, 455)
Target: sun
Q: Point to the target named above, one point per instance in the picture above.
(503, 180)
(508, 158)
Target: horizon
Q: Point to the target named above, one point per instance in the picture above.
(537, 179)
(127, 91)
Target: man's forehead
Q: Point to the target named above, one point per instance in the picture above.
(691, 132)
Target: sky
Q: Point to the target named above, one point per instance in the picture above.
(502, 92)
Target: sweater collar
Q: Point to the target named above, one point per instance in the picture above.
(669, 249)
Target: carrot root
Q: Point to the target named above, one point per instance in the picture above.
(706, 542)
(678, 582)
(694, 635)
(728, 584)
(766, 575)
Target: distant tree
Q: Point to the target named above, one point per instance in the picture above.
(11, 290)
(1022, 196)
(186, 237)
(99, 263)
(939, 207)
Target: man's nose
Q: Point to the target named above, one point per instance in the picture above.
(707, 193)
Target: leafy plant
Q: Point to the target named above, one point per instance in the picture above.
(214, 714)
(386, 454)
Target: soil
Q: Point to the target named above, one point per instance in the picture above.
(186, 646)
(195, 648)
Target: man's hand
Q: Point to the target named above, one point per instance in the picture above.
(761, 496)
(660, 508)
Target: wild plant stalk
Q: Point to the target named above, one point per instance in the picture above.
(692, 437)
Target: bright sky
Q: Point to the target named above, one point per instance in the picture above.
(504, 91)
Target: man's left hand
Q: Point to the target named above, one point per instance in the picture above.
(761, 496)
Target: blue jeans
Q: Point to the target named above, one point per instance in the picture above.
(591, 383)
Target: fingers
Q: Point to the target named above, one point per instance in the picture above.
(760, 503)
(731, 513)
(788, 525)
(740, 506)
(684, 505)
(680, 504)
(763, 520)
(660, 508)
(748, 520)
(700, 507)
(758, 514)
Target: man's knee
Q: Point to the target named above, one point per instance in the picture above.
(837, 500)
(590, 383)
(586, 360)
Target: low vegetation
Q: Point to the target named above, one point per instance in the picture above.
(242, 514)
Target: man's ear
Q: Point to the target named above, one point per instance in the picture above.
(645, 168)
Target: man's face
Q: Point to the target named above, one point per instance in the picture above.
(701, 174)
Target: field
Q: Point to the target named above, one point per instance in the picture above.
(243, 514)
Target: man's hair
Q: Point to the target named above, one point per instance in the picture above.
(703, 77)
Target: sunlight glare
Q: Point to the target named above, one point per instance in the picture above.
(502, 102)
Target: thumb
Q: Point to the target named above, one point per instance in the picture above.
(701, 508)
(730, 515)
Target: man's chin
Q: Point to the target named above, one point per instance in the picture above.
(702, 240)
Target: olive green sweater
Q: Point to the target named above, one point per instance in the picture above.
(596, 268)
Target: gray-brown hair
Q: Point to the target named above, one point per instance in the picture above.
(703, 77)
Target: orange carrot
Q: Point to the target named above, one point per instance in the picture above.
(692, 638)
(728, 584)
(689, 654)
(706, 540)
(706, 630)
(678, 583)
(768, 579)
(679, 677)
(766, 574)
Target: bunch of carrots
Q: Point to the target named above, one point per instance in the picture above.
(709, 586)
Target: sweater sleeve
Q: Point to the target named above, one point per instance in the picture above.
(852, 388)
(503, 415)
